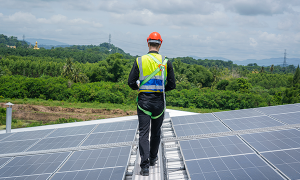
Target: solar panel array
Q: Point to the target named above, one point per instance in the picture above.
(108, 163)
(272, 153)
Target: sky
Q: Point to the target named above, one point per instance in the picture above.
(232, 29)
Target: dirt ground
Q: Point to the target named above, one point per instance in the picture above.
(47, 113)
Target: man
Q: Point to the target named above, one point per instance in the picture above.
(151, 100)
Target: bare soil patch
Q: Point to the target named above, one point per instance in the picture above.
(48, 113)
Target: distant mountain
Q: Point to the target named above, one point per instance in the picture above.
(269, 62)
(210, 58)
(45, 42)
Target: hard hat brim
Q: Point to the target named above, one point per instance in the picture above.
(154, 41)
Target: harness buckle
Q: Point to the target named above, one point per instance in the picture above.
(159, 66)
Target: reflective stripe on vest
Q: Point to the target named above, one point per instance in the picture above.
(147, 66)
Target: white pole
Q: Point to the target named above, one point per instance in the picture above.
(8, 117)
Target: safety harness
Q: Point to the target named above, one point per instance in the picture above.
(162, 68)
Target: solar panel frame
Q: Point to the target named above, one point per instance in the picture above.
(251, 123)
(274, 140)
(33, 165)
(287, 161)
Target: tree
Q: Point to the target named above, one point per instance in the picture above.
(296, 78)
(1, 71)
(262, 70)
(272, 68)
(78, 76)
(68, 68)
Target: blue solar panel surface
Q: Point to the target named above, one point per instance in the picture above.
(274, 140)
(110, 137)
(72, 131)
(15, 146)
(32, 177)
(288, 161)
(213, 147)
(237, 114)
(107, 164)
(28, 135)
(33, 165)
(289, 118)
(252, 123)
(279, 109)
(200, 128)
(193, 119)
(248, 166)
(116, 126)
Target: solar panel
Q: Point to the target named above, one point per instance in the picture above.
(290, 118)
(279, 109)
(193, 119)
(237, 114)
(213, 147)
(58, 142)
(33, 165)
(3, 136)
(107, 163)
(287, 161)
(15, 146)
(252, 123)
(274, 140)
(72, 131)
(248, 166)
(32, 177)
(3, 161)
(200, 128)
(110, 137)
(116, 173)
(116, 126)
(28, 135)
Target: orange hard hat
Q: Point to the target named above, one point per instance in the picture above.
(154, 37)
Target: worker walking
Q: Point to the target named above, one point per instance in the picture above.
(155, 74)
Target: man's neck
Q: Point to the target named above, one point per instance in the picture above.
(153, 49)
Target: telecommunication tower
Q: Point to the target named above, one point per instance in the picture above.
(284, 60)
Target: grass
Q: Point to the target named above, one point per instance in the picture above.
(95, 105)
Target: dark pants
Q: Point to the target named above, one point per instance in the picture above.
(144, 125)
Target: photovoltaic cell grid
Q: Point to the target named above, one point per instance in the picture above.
(193, 119)
(116, 126)
(237, 114)
(248, 166)
(57, 142)
(92, 164)
(28, 135)
(274, 140)
(72, 131)
(15, 146)
(32, 177)
(287, 161)
(3, 161)
(110, 137)
(290, 118)
(200, 128)
(3, 136)
(33, 165)
(251, 123)
(213, 147)
(279, 109)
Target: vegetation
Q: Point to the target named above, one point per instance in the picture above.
(93, 74)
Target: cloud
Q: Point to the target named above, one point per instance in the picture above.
(253, 42)
(258, 7)
(250, 21)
